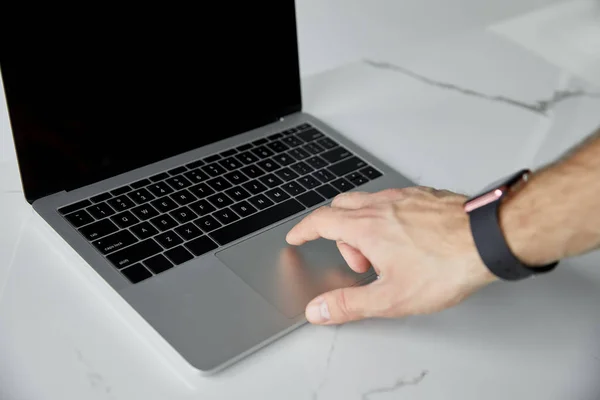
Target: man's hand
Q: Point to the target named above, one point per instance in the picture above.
(418, 241)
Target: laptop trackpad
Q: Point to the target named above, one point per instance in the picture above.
(286, 276)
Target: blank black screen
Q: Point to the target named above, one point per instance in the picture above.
(100, 93)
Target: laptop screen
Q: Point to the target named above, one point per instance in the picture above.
(99, 94)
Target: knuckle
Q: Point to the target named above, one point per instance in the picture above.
(343, 305)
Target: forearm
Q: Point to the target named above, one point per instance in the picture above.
(557, 214)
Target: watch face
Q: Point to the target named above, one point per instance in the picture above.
(495, 191)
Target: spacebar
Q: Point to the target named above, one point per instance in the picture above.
(257, 221)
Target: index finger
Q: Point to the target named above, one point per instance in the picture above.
(328, 223)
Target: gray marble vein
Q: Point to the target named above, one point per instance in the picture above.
(400, 383)
(539, 107)
(95, 379)
(327, 362)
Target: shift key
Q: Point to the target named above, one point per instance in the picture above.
(135, 253)
(347, 166)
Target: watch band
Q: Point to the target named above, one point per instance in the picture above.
(493, 249)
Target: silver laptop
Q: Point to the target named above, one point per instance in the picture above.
(174, 158)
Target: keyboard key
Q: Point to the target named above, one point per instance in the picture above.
(275, 136)
(136, 273)
(336, 154)
(259, 142)
(143, 230)
(188, 231)
(356, 178)
(292, 141)
(168, 239)
(302, 168)
(101, 197)
(327, 143)
(179, 182)
(177, 171)
(277, 195)
(125, 219)
(244, 147)
(159, 177)
(74, 207)
(254, 187)
(98, 229)
(243, 209)
(237, 193)
(212, 159)
(134, 253)
(201, 245)
(370, 173)
(114, 242)
(228, 153)
(324, 176)
(179, 255)
(277, 146)
(236, 177)
(100, 210)
(252, 171)
(158, 264)
(299, 154)
(313, 148)
(293, 188)
(141, 196)
(310, 135)
(145, 211)
(262, 152)
(195, 164)
(160, 189)
(261, 202)
(225, 216)
(342, 185)
(327, 191)
(201, 190)
(196, 176)
(183, 215)
(165, 204)
(214, 169)
(247, 158)
(140, 184)
(202, 207)
(207, 223)
(286, 174)
(256, 222)
(268, 165)
(304, 126)
(220, 200)
(316, 162)
(121, 203)
(347, 166)
(284, 159)
(230, 164)
(164, 222)
(290, 131)
(309, 182)
(183, 197)
(310, 198)
(120, 191)
(270, 180)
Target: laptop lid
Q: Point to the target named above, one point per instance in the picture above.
(97, 94)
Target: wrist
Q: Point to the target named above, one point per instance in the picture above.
(529, 223)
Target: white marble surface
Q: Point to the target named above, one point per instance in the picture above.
(477, 96)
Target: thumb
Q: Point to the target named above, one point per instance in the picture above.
(343, 305)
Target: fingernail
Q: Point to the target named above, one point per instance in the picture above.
(317, 311)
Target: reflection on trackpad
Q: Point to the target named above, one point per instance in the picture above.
(289, 277)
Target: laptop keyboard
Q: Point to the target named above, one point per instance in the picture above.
(154, 224)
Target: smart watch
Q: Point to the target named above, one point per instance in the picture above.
(487, 233)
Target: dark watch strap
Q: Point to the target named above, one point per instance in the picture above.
(494, 250)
